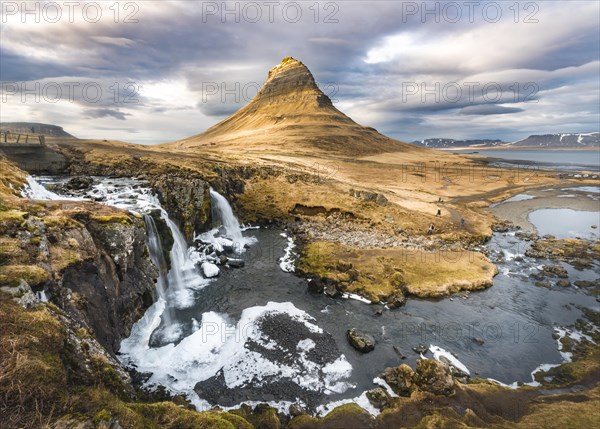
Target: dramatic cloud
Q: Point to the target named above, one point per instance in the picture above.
(104, 113)
(413, 70)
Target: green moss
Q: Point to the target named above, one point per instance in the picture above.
(237, 421)
(114, 218)
(303, 422)
(101, 416)
(10, 221)
(12, 275)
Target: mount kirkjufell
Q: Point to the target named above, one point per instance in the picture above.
(290, 113)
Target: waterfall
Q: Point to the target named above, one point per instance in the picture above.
(158, 258)
(176, 286)
(223, 211)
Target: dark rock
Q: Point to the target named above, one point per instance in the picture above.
(434, 377)
(361, 342)
(400, 379)
(588, 284)
(112, 287)
(398, 352)
(79, 183)
(296, 410)
(316, 286)
(396, 300)
(563, 283)
(378, 312)
(332, 291)
(478, 340)
(379, 398)
(235, 263)
(554, 271)
(420, 349)
(526, 236)
(223, 259)
(187, 200)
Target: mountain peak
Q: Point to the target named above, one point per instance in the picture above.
(291, 81)
(290, 113)
(288, 63)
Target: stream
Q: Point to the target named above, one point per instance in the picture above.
(254, 333)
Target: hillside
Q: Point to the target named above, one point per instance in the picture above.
(290, 113)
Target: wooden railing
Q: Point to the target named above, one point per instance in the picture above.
(6, 137)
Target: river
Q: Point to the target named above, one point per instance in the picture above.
(256, 334)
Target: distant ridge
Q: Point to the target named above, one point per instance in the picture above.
(35, 128)
(290, 113)
(545, 141)
(572, 140)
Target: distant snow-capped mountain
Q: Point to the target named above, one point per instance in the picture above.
(546, 141)
(571, 140)
(442, 143)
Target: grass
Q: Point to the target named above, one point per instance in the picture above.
(377, 273)
(43, 379)
(12, 275)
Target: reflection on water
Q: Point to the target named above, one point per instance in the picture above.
(566, 223)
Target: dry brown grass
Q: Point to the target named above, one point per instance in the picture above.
(377, 273)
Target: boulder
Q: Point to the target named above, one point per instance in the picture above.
(316, 286)
(478, 340)
(332, 291)
(396, 300)
(420, 349)
(361, 342)
(78, 183)
(400, 379)
(434, 377)
(235, 263)
(563, 283)
(296, 410)
(379, 398)
(554, 271)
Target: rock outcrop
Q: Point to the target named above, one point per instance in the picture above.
(434, 377)
(187, 200)
(362, 342)
(400, 379)
(88, 259)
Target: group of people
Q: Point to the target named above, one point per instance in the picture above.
(439, 214)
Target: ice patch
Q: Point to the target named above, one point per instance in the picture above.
(348, 295)
(286, 262)
(439, 352)
(306, 345)
(210, 270)
(219, 345)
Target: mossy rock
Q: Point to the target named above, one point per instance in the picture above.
(12, 275)
(348, 416)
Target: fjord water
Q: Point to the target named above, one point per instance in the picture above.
(216, 341)
(556, 159)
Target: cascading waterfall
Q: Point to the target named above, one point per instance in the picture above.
(158, 258)
(223, 211)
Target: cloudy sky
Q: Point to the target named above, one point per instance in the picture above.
(150, 71)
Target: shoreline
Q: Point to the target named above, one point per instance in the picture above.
(517, 212)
